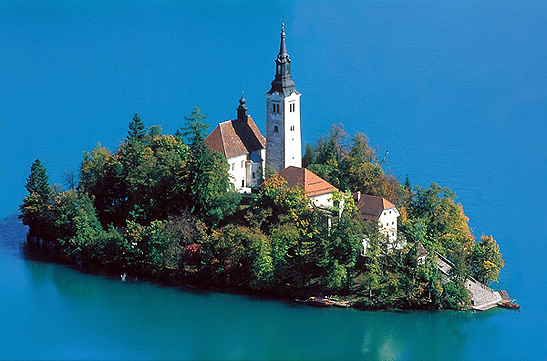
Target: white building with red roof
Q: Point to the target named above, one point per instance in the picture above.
(383, 213)
(316, 189)
(243, 146)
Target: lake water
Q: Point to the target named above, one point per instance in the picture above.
(51, 311)
(456, 92)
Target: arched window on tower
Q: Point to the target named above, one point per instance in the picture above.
(276, 129)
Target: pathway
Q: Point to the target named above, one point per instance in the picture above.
(482, 297)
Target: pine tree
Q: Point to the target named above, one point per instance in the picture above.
(35, 208)
(407, 183)
(136, 128)
(193, 131)
(38, 181)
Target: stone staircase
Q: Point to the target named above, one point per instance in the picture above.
(482, 296)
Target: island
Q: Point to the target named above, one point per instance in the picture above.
(233, 210)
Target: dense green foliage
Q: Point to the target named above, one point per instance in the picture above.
(160, 208)
(350, 165)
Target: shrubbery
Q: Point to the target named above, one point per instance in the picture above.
(161, 208)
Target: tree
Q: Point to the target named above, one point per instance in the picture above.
(76, 225)
(136, 129)
(485, 260)
(307, 159)
(38, 181)
(36, 207)
(445, 225)
(69, 179)
(193, 131)
(210, 191)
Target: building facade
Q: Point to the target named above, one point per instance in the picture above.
(283, 134)
(382, 212)
(243, 146)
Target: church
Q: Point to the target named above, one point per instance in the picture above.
(247, 151)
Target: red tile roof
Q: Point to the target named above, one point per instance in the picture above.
(313, 185)
(236, 137)
(371, 207)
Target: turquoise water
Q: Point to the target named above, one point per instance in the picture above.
(51, 311)
(456, 92)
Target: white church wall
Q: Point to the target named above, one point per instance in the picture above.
(283, 132)
(322, 200)
(293, 146)
(238, 171)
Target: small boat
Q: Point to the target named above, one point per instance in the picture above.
(317, 302)
(508, 304)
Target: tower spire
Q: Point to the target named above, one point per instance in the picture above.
(283, 82)
(283, 140)
(242, 109)
(283, 46)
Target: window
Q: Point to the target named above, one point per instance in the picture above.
(243, 183)
(292, 107)
(277, 108)
(233, 166)
(275, 128)
(292, 127)
(254, 175)
(273, 108)
(242, 163)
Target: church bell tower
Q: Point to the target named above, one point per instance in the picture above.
(283, 140)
